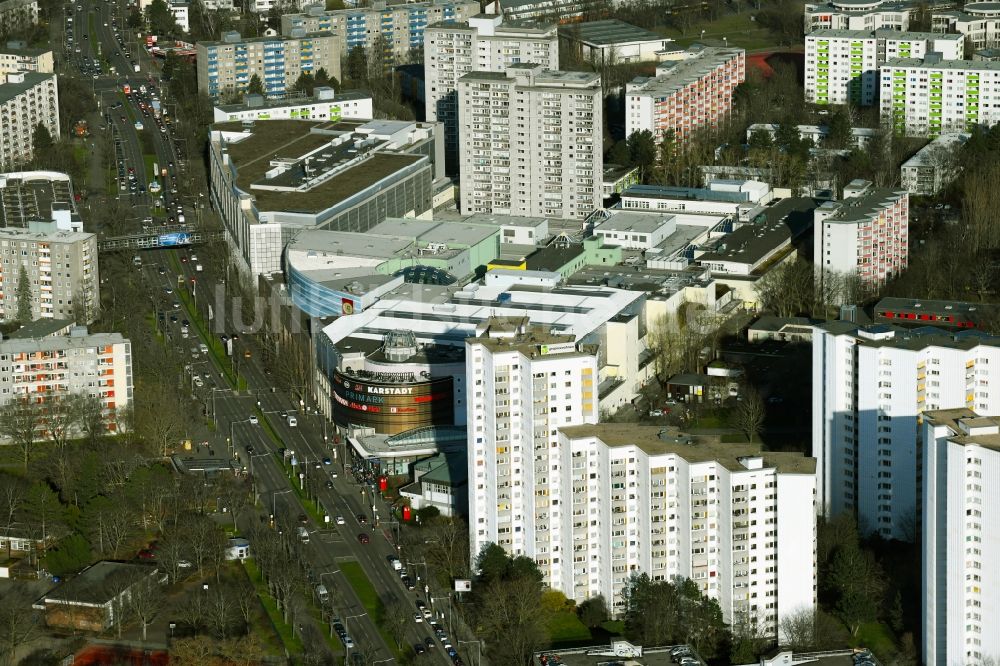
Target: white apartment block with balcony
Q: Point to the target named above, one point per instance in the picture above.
(871, 387)
(399, 27)
(227, 66)
(863, 236)
(930, 97)
(17, 57)
(27, 99)
(61, 268)
(97, 364)
(978, 21)
(856, 15)
(17, 14)
(934, 166)
(523, 384)
(842, 66)
(740, 523)
(687, 94)
(531, 142)
(961, 520)
(481, 44)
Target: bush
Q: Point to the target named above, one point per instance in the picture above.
(72, 554)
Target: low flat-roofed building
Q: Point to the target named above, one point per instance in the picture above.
(567, 257)
(761, 241)
(28, 198)
(395, 454)
(634, 230)
(271, 179)
(556, 10)
(721, 197)
(614, 42)
(942, 314)
(618, 178)
(41, 328)
(785, 329)
(342, 272)
(440, 481)
(860, 136)
(934, 166)
(94, 599)
(325, 104)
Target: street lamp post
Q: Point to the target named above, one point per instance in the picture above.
(232, 435)
(274, 497)
(479, 647)
(347, 652)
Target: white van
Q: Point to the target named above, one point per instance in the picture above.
(203, 347)
(322, 594)
(292, 421)
(303, 535)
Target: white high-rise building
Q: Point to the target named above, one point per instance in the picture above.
(481, 44)
(961, 551)
(27, 99)
(523, 384)
(842, 66)
(741, 524)
(531, 142)
(932, 96)
(864, 236)
(592, 504)
(871, 386)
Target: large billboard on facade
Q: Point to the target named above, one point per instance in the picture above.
(392, 408)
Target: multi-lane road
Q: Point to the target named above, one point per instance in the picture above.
(98, 25)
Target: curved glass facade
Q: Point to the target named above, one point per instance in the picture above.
(317, 300)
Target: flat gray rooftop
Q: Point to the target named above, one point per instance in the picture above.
(609, 32)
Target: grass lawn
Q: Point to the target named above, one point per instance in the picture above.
(877, 638)
(565, 628)
(614, 627)
(285, 633)
(739, 29)
(356, 576)
(150, 162)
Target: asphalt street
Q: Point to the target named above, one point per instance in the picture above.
(330, 544)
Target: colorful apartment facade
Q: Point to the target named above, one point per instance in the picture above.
(687, 94)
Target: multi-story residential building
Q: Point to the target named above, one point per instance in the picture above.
(17, 57)
(38, 200)
(480, 44)
(930, 97)
(740, 523)
(228, 66)
(396, 29)
(40, 369)
(864, 236)
(853, 15)
(27, 99)
(61, 267)
(274, 178)
(539, 464)
(685, 95)
(842, 66)
(523, 384)
(934, 166)
(871, 388)
(531, 142)
(961, 579)
(978, 21)
(17, 14)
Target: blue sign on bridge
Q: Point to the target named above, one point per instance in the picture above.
(174, 239)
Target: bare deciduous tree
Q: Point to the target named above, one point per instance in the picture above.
(749, 414)
(19, 423)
